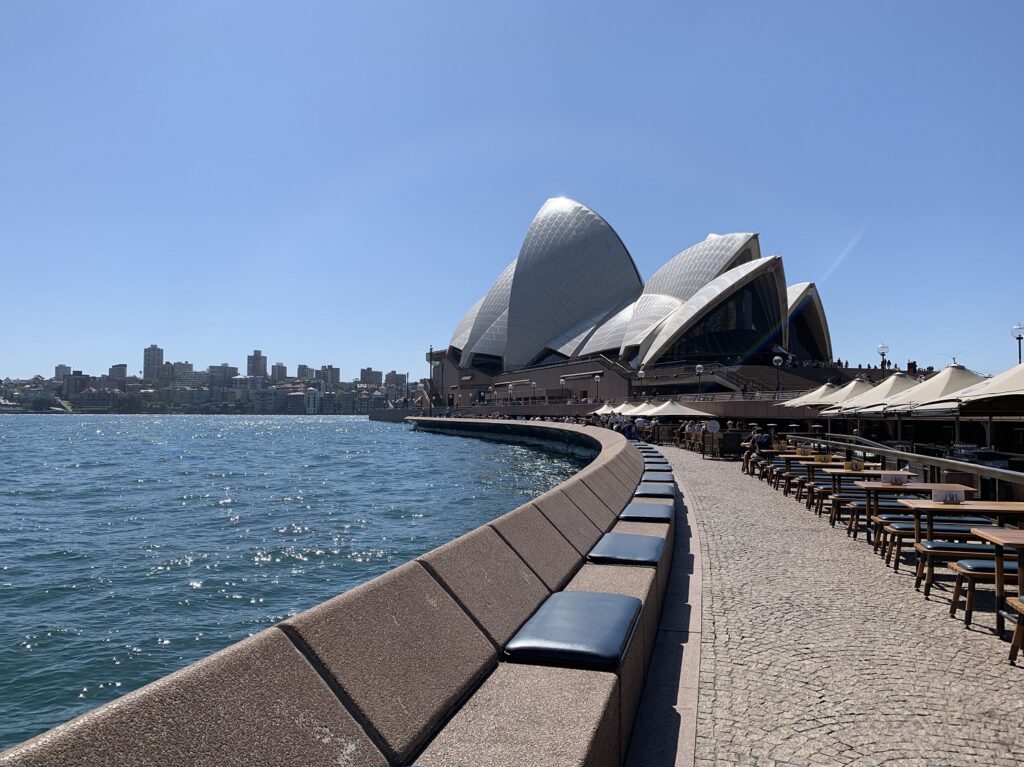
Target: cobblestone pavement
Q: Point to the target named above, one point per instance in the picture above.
(813, 652)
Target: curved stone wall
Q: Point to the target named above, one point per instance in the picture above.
(371, 676)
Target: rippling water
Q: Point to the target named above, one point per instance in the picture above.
(133, 545)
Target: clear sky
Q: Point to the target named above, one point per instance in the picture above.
(338, 182)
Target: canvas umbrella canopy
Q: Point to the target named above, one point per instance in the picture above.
(671, 410)
(946, 382)
(811, 398)
(1000, 395)
(853, 389)
(605, 409)
(630, 410)
(894, 384)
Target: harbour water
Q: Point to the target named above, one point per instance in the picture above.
(133, 545)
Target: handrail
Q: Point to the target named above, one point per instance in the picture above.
(847, 442)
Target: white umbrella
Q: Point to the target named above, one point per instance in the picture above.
(855, 388)
(812, 397)
(943, 384)
(673, 410)
(1009, 383)
(894, 384)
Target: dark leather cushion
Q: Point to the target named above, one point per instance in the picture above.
(655, 490)
(944, 527)
(649, 467)
(627, 549)
(577, 628)
(984, 566)
(648, 512)
(655, 459)
(957, 547)
(658, 476)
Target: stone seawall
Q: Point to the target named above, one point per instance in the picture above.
(371, 676)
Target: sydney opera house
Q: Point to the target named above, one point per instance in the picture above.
(574, 293)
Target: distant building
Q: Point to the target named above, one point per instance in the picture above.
(296, 403)
(304, 373)
(329, 403)
(313, 397)
(75, 383)
(371, 377)
(193, 378)
(118, 371)
(181, 367)
(222, 375)
(279, 372)
(257, 364)
(329, 374)
(60, 371)
(152, 361)
(395, 379)
(245, 385)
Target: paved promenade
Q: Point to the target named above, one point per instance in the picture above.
(813, 652)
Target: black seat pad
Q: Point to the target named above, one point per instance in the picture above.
(658, 476)
(957, 547)
(945, 527)
(985, 565)
(577, 628)
(627, 549)
(655, 490)
(649, 467)
(648, 512)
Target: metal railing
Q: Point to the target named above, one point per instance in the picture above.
(851, 443)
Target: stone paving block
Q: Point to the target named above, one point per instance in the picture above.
(914, 688)
(490, 581)
(402, 650)
(589, 503)
(257, 702)
(567, 517)
(538, 716)
(540, 545)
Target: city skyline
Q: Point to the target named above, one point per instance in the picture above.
(183, 172)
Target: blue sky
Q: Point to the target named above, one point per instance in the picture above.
(337, 182)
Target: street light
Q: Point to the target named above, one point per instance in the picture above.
(534, 385)
(490, 390)
(641, 374)
(882, 350)
(510, 394)
(597, 388)
(561, 382)
(698, 370)
(1018, 332)
(777, 362)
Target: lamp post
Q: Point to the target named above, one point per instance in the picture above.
(1018, 332)
(777, 362)
(534, 385)
(561, 383)
(698, 370)
(510, 395)
(883, 349)
(430, 378)
(597, 388)
(641, 374)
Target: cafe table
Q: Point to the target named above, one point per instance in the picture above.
(1002, 537)
(1001, 510)
(840, 473)
(874, 488)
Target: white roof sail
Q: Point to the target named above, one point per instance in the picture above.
(493, 306)
(701, 303)
(803, 298)
(682, 277)
(853, 389)
(461, 334)
(572, 267)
